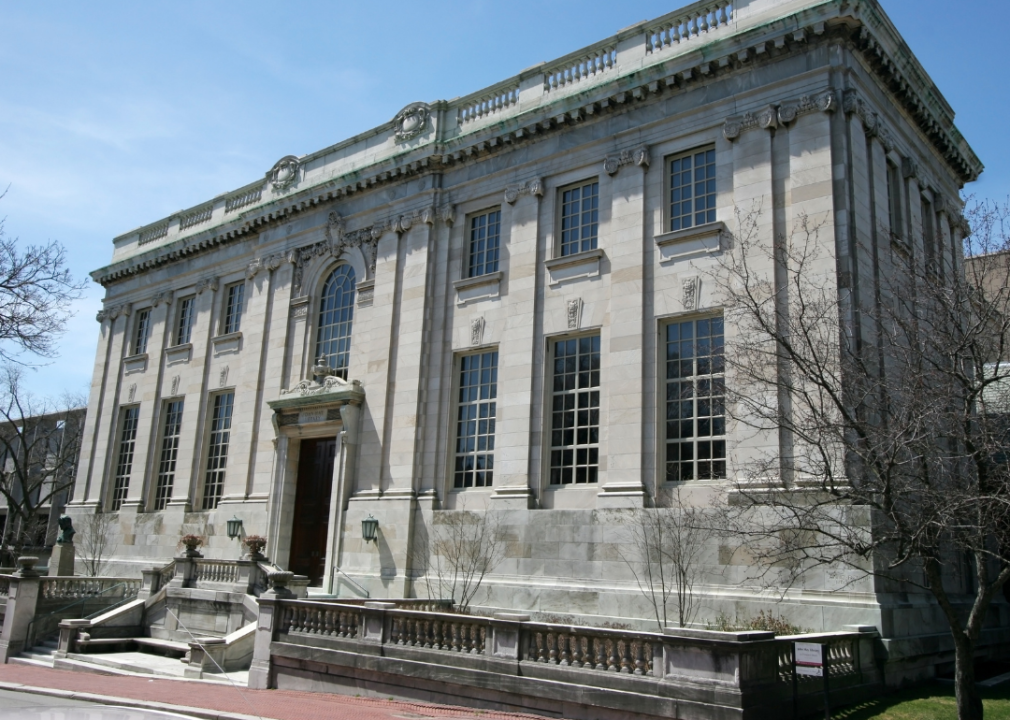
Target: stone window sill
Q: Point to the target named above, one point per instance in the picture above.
(178, 354)
(691, 243)
(572, 267)
(135, 363)
(478, 288)
(228, 343)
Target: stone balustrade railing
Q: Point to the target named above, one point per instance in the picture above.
(488, 102)
(72, 588)
(508, 652)
(687, 24)
(573, 70)
(217, 571)
(5, 585)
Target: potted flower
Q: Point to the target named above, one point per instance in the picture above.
(192, 543)
(256, 544)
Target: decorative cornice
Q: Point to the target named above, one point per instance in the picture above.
(785, 113)
(616, 93)
(639, 156)
(530, 187)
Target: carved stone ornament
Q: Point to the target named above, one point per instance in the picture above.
(100, 316)
(477, 331)
(448, 214)
(175, 385)
(530, 187)
(222, 379)
(284, 173)
(909, 168)
(692, 289)
(210, 283)
(411, 121)
(638, 156)
(784, 113)
(311, 387)
(162, 297)
(132, 394)
(574, 313)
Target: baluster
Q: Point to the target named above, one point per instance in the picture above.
(563, 641)
(612, 659)
(454, 629)
(637, 655)
(437, 627)
(577, 650)
(625, 652)
(552, 647)
(354, 618)
(481, 639)
(648, 658)
(541, 648)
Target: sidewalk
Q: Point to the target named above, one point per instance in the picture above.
(207, 700)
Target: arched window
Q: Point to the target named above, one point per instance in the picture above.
(336, 311)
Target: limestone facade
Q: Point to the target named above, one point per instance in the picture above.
(786, 108)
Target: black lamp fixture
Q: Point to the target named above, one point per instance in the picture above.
(369, 528)
(234, 527)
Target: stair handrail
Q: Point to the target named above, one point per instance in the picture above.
(30, 636)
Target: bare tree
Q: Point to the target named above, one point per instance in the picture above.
(462, 547)
(95, 542)
(666, 551)
(36, 290)
(40, 441)
(883, 413)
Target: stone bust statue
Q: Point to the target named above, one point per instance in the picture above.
(67, 531)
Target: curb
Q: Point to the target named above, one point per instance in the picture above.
(202, 713)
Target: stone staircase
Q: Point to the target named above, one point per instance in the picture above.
(41, 655)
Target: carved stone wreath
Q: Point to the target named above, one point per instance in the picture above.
(284, 173)
(411, 121)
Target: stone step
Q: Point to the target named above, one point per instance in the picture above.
(162, 647)
(33, 660)
(113, 666)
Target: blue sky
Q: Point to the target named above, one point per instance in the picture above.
(116, 114)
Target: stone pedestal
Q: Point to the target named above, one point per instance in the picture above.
(62, 561)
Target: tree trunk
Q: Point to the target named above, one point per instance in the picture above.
(969, 704)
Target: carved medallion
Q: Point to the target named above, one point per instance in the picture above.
(411, 121)
(284, 173)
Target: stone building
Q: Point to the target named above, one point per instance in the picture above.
(486, 303)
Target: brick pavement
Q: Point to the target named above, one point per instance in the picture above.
(186, 696)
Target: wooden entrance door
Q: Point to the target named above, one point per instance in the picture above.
(312, 508)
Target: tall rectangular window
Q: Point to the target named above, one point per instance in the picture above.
(141, 331)
(695, 400)
(894, 199)
(580, 218)
(485, 232)
(478, 391)
(124, 462)
(692, 189)
(575, 411)
(184, 322)
(233, 308)
(169, 453)
(217, 449)
(929, 236)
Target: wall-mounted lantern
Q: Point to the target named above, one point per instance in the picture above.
(369, 528)
(234, 527)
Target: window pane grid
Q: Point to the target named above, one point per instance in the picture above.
(185, 326)
(233, 309)
(169, 454)
(217, 450)
(695, 400)
(336, 315)
(124, 464)
(143, 329)
(485, 235)
(478, 391)
(692, 189)
(575, 411)
(580, 218)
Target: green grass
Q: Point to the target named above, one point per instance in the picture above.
(932, 701)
